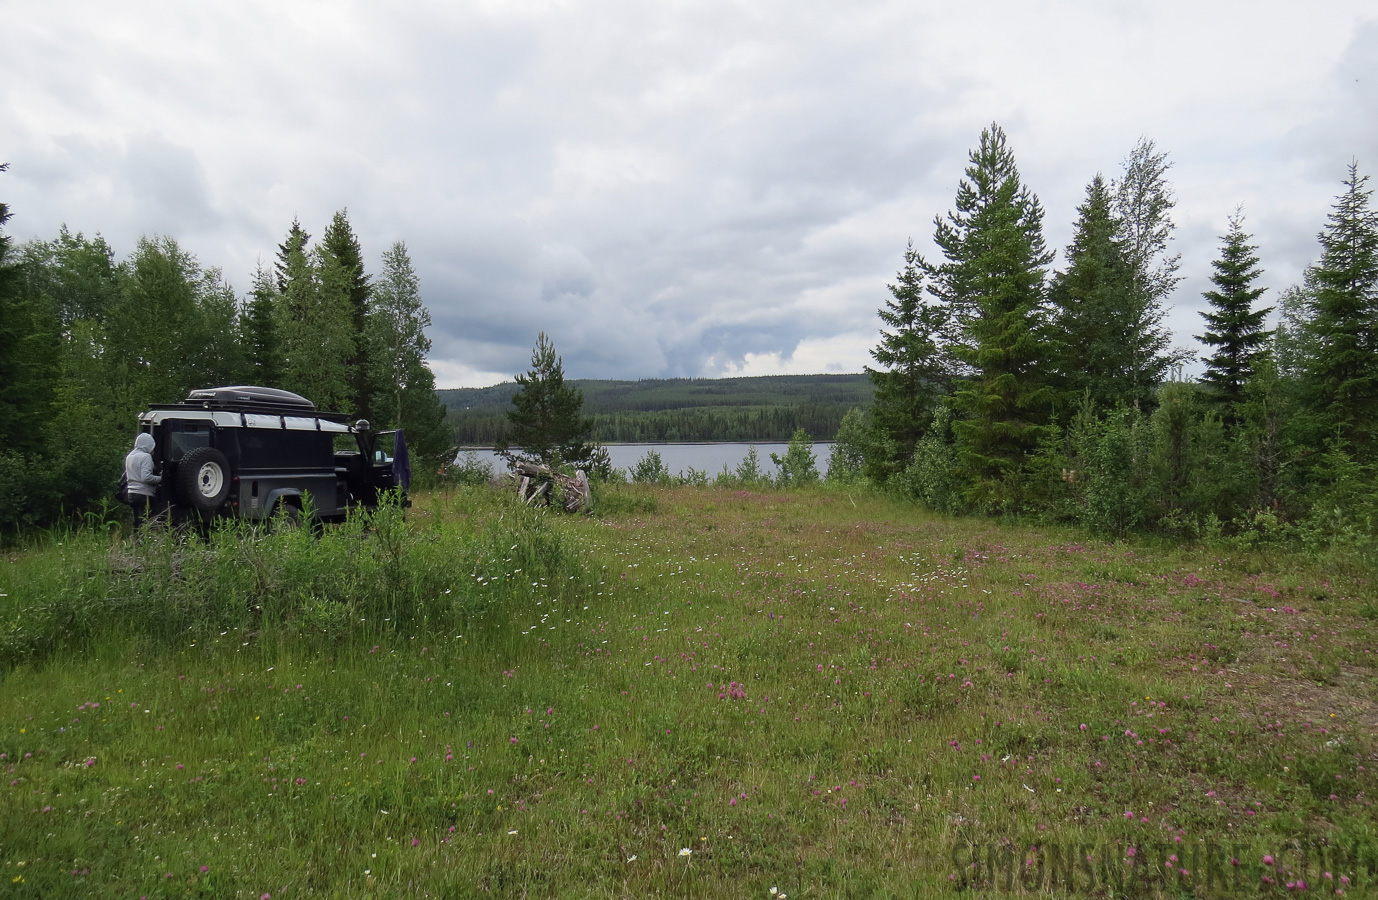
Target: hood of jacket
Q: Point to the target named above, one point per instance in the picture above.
(144, 442)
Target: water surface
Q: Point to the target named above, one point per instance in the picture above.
(679, 458)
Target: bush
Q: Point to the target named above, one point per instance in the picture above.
(847, 461)
(693, 477)
(1115, 451)
(797, 467)
(599, 466)
(650, 469)
(467, 469)
(748, 471)
(932, 474)
(1342, 526)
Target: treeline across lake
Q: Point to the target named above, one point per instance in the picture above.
(769, 408)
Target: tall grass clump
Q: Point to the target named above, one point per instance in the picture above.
(381, 570)
(622, 499)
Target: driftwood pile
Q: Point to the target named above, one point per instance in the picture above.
(535, 485)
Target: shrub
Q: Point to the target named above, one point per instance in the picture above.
(650, 469)
(932, 475)
(468, 469)
(797, 467)
(693, 477)
(1115, 451)
(748, 471)
(847, 461)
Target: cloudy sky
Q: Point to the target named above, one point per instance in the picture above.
(673, 188)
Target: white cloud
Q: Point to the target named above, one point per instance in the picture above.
(834, 355)
(666, 189)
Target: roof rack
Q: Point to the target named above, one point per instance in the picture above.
(250, 398)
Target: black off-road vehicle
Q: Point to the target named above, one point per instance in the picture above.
(252, 452)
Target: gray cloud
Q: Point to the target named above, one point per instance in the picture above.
(665, 190)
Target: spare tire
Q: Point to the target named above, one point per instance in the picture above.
(203, 479)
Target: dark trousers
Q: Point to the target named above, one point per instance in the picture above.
(141, 504)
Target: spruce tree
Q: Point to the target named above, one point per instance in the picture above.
(992, 280)
(297, 240)
(313, 328)
(260, 331)
(340, 244)
(1234, 328)
(1093, 320)
(1343, 375)
(546, 422)
(917, 369)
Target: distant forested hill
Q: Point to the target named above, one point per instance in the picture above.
(769, 408)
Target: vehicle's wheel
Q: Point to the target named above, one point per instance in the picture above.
(203, 479)
(286, 516)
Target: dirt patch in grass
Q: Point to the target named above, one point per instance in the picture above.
(1345, 706)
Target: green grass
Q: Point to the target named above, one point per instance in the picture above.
(824, 693)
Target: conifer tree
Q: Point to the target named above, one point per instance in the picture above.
(1093, 322)
(260, 332)
(993, 281)
(546, 422)
(917, 369)
(313, 329)
(340, 244)
(1234, 328)
(297, 239)
(1343, 375)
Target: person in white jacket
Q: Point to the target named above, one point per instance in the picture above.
(138, 471)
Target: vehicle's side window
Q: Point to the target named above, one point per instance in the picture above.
(184, 436)
(270, 448)
(382, 443)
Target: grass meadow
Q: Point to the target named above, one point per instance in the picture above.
(696, 692)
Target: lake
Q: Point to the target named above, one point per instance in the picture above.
(677, 458)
